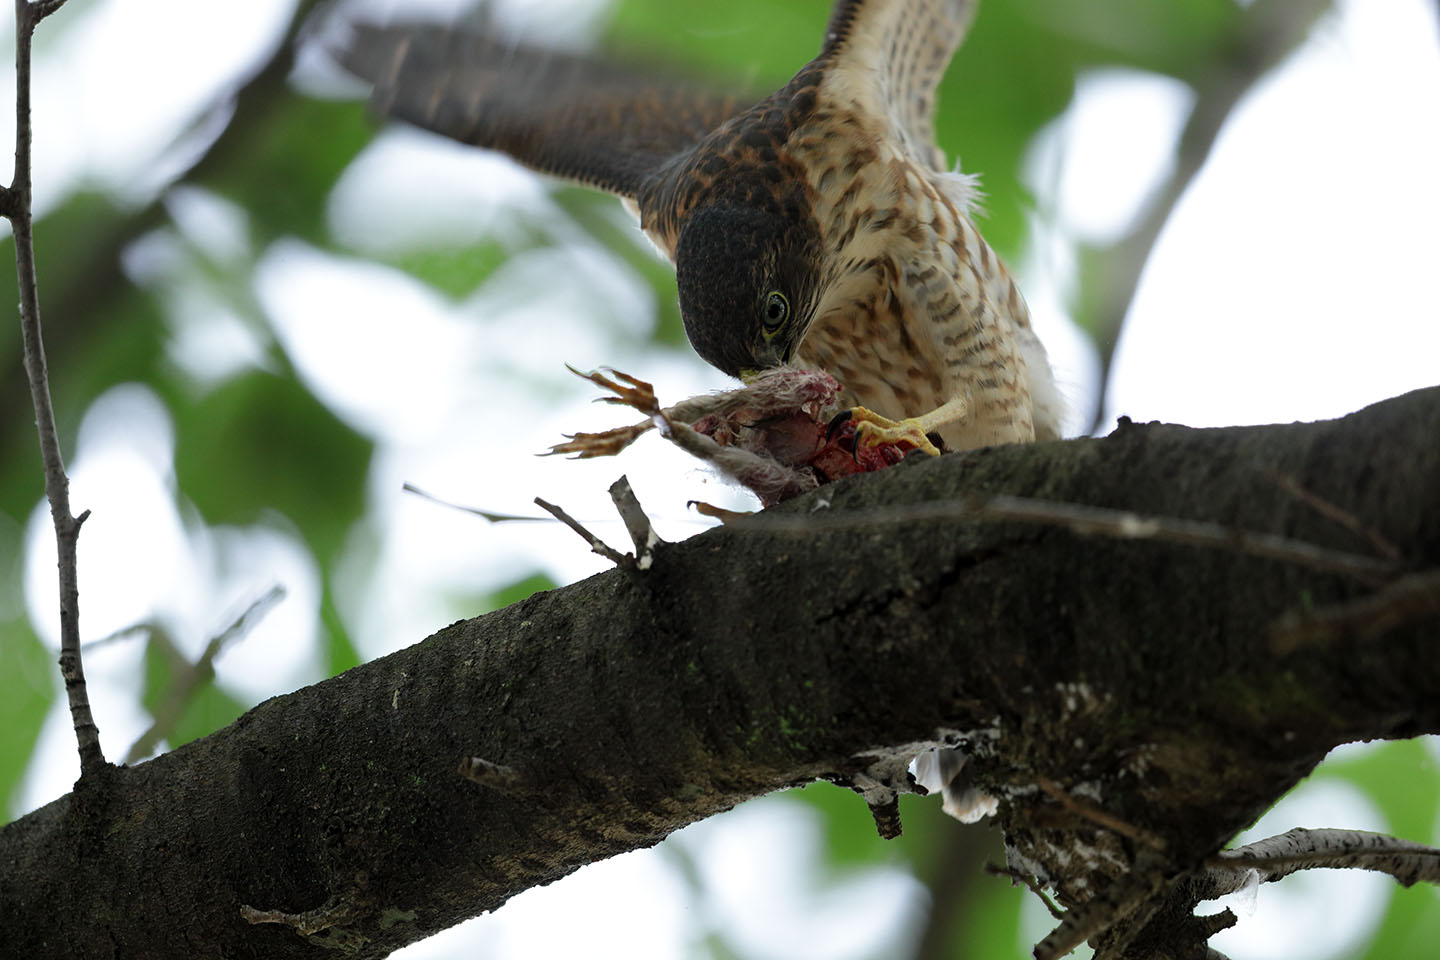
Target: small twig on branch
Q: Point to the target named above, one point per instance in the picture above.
(1396, 605)
(1021, 877)
(622, 560)
(57, 484)
(1100, 914)
(43, 8)
(141, 629)
(187, 683)
(636, 522)
(1211, 924)
(1088, 811)
(1088, 521)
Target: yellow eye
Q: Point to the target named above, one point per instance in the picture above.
(777, 311)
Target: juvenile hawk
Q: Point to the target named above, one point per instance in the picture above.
(819, 225)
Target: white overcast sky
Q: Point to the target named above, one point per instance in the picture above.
(1295, 281)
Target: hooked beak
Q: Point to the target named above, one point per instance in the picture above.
(766, 358)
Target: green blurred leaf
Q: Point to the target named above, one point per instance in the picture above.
(207, 708)
(463, 604)
(454, 272)
(519, 590)
(1402, 778)
(292, 162)
(850, 837)
(28, 686)
(973, 914)
(753, 45)
(262, 442)
(1007, 82)
(1179, 38)
(340, 653)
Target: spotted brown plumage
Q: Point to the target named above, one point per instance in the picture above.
(818, 225)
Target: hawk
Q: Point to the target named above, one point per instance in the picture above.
(819, 226)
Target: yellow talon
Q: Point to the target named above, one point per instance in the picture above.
(872, 430)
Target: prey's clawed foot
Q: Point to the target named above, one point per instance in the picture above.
(628, 391)
(871, 430)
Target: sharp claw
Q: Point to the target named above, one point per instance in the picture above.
(836, 422)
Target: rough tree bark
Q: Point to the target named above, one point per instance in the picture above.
(1136, 675)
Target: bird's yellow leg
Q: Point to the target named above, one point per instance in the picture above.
(871, 429)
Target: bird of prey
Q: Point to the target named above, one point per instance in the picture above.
(819, 226)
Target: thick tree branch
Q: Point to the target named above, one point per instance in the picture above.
(1136, 676)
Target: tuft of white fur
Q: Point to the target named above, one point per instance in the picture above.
(963, 190)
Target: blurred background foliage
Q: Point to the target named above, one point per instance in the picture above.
(130, 272)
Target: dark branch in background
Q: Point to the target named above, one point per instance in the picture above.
(954, 871)
(1270, 30)
(16, 208)
(188, 682)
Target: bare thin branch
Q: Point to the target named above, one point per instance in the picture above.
(1100, 914)
(57, 484)
(636, 522)
(599, 546)
(1302, 849)
(1097, 816)
(486, 514)
(1021, 877)
(43, 8)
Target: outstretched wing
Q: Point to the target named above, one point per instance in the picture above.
(896, 51)
(570, 115)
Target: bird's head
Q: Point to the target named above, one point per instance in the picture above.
(749, 280)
